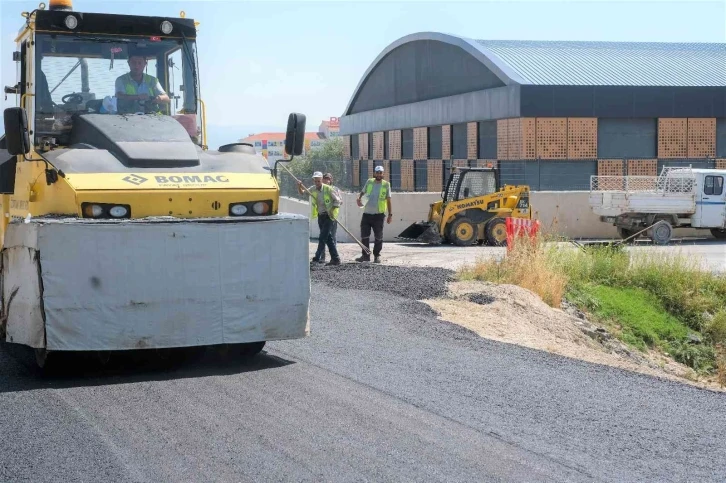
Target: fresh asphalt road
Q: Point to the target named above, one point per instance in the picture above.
(381, 391)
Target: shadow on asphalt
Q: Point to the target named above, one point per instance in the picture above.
(20, 372)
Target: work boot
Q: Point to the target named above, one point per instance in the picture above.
(363, 258)
(377, 259)
(334, 261)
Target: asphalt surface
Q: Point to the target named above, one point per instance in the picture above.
(381, 391)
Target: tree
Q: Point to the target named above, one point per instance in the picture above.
(327, 158)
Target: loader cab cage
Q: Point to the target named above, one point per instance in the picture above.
(470, 183)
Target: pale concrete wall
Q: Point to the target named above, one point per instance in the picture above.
(565, 213)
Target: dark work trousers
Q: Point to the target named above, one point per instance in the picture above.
(375, 222)
(334, 234)
(327, 232)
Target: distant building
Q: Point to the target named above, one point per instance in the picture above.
(330, 128)
(548, 114)
(272, 144)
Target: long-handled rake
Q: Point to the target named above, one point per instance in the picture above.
(366, 250)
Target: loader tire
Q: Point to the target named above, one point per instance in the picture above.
(463, 232)
(496, 232)
(719, 233)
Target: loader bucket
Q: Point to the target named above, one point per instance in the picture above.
(421, 232)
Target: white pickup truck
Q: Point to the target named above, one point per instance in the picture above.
(678, 198)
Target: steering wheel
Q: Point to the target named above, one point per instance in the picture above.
(72, 99)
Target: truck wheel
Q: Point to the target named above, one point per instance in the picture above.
(661, 234)
(719, 233)
(496, 232)
(625, 233)
(463, 232)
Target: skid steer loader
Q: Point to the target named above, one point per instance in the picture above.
(473, 209)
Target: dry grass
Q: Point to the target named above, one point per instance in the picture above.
(674, 286)
(529, 265)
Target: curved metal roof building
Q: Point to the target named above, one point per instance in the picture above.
(432, 78)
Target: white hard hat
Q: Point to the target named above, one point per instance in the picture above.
(379, 168)
(317, 174)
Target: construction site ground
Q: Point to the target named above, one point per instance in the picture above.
(386, 388)
(510, 314)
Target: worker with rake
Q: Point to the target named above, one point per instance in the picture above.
(325, 204)
(378, 192)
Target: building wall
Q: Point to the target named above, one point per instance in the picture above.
(547, 153)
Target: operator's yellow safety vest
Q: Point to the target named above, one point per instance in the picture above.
(130, 87)
(327, 200)
(382, 194)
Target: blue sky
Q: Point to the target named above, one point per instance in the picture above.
(261, 60)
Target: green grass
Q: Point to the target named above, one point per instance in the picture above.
(639, 314)
(649, 299)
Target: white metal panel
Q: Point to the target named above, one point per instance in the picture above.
(168, 284)
(21, 296)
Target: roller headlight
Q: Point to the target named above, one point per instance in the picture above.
(118, 211)
(238, 210)
(105, 210)
(261, 208)
(166, 27)
(92, 211)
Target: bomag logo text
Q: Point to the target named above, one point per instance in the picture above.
(191, 179)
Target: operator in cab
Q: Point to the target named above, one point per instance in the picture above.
(136, 89)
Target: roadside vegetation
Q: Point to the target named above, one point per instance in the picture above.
(650, 300)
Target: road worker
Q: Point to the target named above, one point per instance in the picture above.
(328, 179)
(325, 205)
(378, 193)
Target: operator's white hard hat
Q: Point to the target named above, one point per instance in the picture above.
(379, 169)
(317, 174)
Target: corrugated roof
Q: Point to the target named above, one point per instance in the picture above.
(609, 63)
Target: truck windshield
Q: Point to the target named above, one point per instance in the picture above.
(113, 75)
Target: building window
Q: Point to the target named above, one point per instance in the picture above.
(386, 140)
(407, 144)
(371, 154)
(434, 142)
(354, 151)
(459, 141)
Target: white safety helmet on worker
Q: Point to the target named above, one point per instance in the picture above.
(317, 174)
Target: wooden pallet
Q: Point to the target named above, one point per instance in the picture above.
(701, 137)
(672, 138)
(582, 138)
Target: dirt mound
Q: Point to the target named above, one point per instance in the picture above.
(514, 315)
